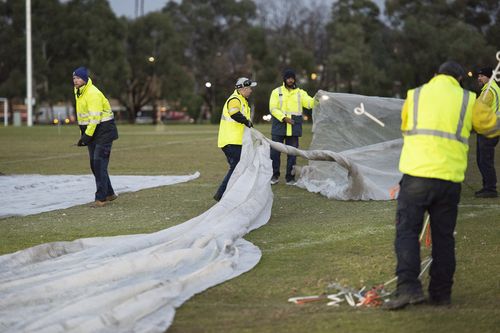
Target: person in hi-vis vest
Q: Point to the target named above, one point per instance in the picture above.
(485, 152)
(98, 131)
(285, 105)
(235, 116)
(436, 121)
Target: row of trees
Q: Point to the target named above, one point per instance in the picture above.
(349, 46)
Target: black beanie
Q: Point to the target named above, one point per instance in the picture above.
(287, 73)
(486, 71)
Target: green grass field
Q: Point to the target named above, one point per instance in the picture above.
(309, 242)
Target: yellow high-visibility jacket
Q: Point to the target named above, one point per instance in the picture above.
(491, 99)
(288, 103)
(437, 119)
(92, 107)
(231, 131)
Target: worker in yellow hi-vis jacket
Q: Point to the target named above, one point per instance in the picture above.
(286, 104)
(98, 131)
(436, 121)
(486, 143)
(235, 116)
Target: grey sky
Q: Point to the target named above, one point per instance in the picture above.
(127, 7)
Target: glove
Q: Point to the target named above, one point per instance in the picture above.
(85, 139)
(249, 124)
(80, 143)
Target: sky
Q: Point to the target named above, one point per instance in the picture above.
(127, 7)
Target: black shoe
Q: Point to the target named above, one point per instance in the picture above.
(479, 192)
(486, 194)
(402, 300)
(445, 302)
(274, 180)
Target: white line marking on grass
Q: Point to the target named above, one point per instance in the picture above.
(331, 238)
(159, 145)
(85, 152)
(479, 206)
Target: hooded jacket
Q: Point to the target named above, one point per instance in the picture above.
(94, 114)
(289, 103)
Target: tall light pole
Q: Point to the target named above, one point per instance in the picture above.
(139, 8)
(29, 69)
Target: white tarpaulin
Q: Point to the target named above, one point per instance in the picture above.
(366, 154)
(33, 194)
(134, 283)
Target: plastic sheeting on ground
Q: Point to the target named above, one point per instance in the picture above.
(366, 154)
(33, 194)
(134, 283)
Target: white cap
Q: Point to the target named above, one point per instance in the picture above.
(244, 82)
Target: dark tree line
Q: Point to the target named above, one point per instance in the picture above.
(349, 46)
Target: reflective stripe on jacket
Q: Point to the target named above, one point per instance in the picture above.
(92, 107)
(288, 103)
(436, 124)
(230, 131)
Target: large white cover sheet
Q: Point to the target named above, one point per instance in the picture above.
(134, 283)
(33, 194)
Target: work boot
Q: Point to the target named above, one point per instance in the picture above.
(437, 301)
(402, 300)
(479, 192)
(111, 197)
(486, 194)
(98, 204)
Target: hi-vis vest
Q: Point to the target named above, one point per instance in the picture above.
(495, 103)
(436, 130)
(288, 103)
(92, 108)
(495, 90)
(231, 131)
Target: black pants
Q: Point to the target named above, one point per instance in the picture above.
(440, 199)
(233, 154)
(291, 159)
(99, 155)
(485, 157)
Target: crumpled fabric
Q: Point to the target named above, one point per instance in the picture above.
(134, 283)
(353, 175)
(362, 156)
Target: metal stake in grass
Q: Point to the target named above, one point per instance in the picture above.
(361, 110)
